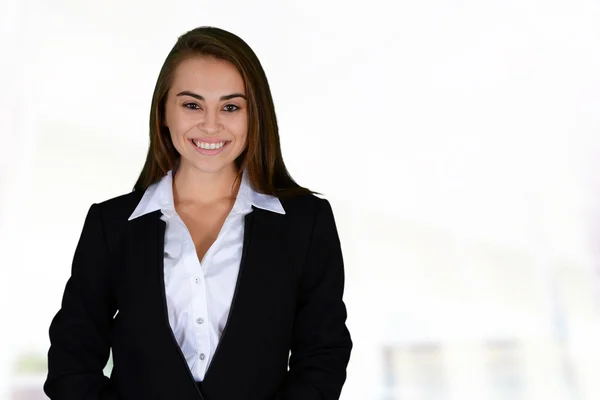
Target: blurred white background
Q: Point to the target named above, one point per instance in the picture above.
(458, 142)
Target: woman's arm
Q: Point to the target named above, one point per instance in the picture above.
(321, 345)
(79, 333)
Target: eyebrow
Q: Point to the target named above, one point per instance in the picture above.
(223, 98)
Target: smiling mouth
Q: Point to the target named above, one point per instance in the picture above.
(209, 146)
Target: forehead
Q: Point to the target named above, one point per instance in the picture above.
(206, 75)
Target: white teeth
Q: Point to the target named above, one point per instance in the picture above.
(208, 146)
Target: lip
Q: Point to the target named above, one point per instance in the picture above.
(210, 140)
(208, 152)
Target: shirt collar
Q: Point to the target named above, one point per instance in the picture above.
(159, 196)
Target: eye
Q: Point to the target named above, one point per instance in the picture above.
(191, 106)
(231, 108)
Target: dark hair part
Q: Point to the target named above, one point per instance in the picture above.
(262, 157)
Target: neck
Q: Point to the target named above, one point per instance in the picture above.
(192, 186)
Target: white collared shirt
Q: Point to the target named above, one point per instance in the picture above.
(199, 294)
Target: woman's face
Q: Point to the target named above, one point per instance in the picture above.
(206, 113)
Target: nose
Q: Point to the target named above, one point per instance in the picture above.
(210, 123)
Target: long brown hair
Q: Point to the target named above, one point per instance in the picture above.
(262, 157)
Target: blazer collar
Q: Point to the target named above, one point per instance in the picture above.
(159, 196)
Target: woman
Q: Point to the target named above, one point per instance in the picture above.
(217, 270)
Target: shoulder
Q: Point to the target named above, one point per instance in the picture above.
(110, 216)
(114, 212)
(308, 209)
(305, 204)
(119, 208)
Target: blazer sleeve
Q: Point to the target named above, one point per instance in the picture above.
(80, 331)
(321, 344)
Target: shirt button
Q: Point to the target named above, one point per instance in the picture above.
(202, 356)
(198, 281)
(200, 320)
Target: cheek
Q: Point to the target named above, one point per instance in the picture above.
(241, 130)
(178, 123)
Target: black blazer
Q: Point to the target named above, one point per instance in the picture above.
(288, 297)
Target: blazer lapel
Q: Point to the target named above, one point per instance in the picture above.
(261, 253)
(147, 252)
(144, 264)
